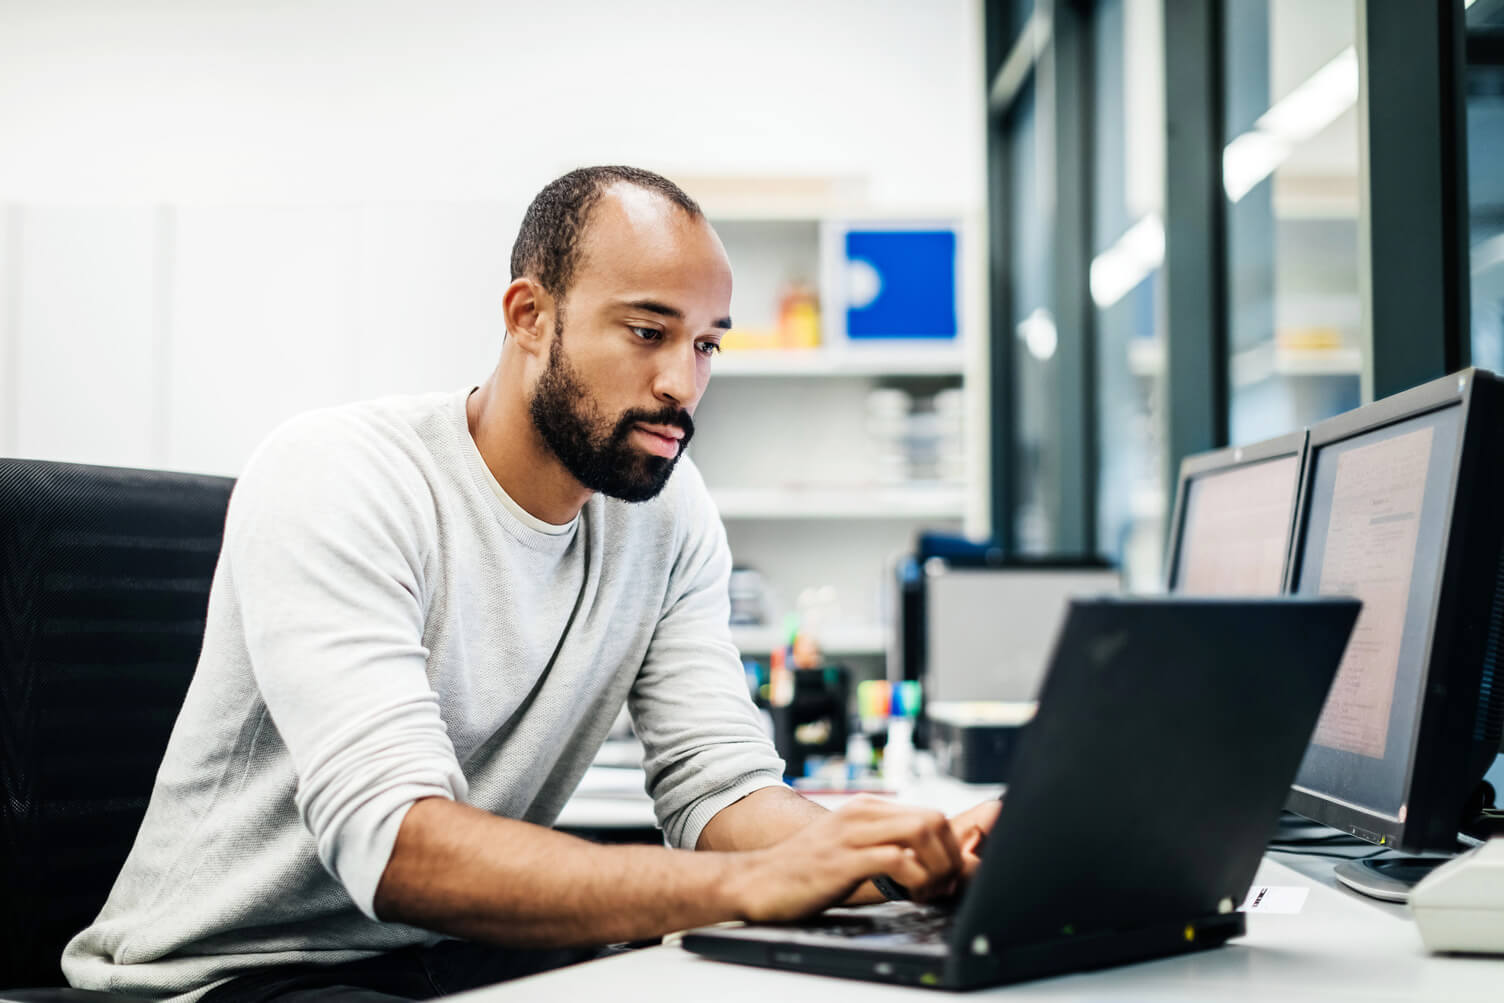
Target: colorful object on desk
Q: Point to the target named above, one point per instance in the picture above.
(898, 755)
(780, 679)
(805, 652)
(873, 701)
(906, 699)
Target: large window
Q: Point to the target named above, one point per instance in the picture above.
(1290, 173)
(1485, 140)
(1036, 455)
(1184, 197)
(1127, 282)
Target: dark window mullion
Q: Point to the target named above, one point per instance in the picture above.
(1413, 186)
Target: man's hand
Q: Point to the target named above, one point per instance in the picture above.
(971, 829)
(821, 864)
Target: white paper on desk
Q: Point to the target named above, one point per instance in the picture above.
(1288, 899)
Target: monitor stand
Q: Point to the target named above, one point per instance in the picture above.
(1389, 879)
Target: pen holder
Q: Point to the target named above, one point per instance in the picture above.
(813, 723)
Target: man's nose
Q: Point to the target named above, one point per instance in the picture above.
(678, 377)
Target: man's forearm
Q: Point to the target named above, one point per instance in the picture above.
(459, 870)
(766, 817)
(759, 820)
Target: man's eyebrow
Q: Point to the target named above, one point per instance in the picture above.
(653, 306)
(672, 312)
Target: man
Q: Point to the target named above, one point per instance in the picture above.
(428, 611)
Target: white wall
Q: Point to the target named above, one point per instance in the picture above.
(459, 100)
(216, 214)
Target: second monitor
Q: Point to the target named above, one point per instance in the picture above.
(1234, 509)
(1402, 505)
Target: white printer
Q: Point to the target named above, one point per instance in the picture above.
(1460, 905)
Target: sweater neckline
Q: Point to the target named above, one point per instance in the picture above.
(528, 528)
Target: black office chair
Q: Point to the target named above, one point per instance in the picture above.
(104, 584)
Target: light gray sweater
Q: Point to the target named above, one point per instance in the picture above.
(386, 625)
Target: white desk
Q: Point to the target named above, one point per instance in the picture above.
(608, 798)
(613, 798)
(1339, 947)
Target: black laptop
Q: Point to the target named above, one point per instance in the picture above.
(1141, 798)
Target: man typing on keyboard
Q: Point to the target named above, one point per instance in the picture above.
(427, 612)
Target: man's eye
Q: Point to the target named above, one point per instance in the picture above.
(709, 347)
(647, 333)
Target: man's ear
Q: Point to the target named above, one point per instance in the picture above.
(524, 306)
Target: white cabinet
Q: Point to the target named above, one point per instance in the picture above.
(787, 445)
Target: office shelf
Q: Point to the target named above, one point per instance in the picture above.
(856, 502)
(838, 639)
(784, 443)
(818, 362)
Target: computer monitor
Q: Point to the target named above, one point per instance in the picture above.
(989, 631)
(1402, 505)
(1234, 508)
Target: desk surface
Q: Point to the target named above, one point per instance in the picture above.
(613, 797)
(1338, 946)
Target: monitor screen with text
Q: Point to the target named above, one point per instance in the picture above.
(1236, 529)
(1378, 511)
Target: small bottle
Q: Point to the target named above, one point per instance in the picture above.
(799, 316)
(858, 755)
(780, 679)
(898, 757)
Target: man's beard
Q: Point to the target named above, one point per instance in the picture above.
(596, 452)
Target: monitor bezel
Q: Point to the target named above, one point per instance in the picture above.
(1438, 749)
(1230, 457)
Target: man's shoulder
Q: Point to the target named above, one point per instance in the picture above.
(358, 433)
(373, 454)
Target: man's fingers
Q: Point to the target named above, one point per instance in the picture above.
(890, 859)
(972, 828)
(932, 858)
(982, 817)
(907, 871)
(924, 851)
(939, 854)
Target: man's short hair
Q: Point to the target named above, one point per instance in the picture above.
(548, 242)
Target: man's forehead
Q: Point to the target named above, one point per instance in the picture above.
(631, 221)
(640, 207)
(639, 245)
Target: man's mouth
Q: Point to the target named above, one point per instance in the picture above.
(661, 440)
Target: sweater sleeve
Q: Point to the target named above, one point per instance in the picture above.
(325, 547)
(705, 745)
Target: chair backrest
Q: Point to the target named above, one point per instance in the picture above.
(104, 585)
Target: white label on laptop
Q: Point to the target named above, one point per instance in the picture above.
(1288, 899)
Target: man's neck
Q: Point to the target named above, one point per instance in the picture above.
(516, 455)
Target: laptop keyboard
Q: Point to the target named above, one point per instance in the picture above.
(898, 923)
